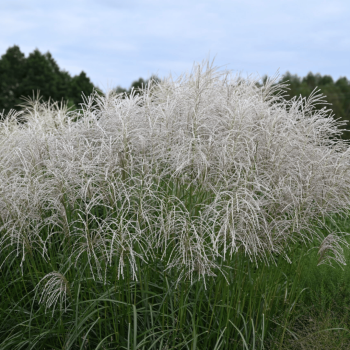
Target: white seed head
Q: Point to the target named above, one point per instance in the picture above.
(332, 248)
(54, 288)
(192, 169)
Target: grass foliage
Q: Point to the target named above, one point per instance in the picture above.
(178, 218)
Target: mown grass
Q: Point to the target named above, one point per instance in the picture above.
(179, 218)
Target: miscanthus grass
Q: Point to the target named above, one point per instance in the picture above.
(167, 219)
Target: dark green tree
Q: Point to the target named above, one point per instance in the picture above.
(12, 72)
(22, 77)
(43, 73)
(80, 84)
(137, 86)
(337, 94)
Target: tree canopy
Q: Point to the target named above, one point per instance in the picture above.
(136, 86)
(337, 93)
(22, 76)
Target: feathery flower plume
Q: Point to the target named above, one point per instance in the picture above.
(54, 287)
(332, 248)
(187, 171)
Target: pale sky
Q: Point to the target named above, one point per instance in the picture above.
(116, 42)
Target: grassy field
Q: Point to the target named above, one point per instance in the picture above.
(292, 306)
(200, 214)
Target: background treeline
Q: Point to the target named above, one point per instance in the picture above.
(22, 76)
(337, 92)
(136, 86)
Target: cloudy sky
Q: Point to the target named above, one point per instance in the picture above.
(117, 41)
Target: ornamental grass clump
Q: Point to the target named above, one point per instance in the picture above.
(177, 179)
